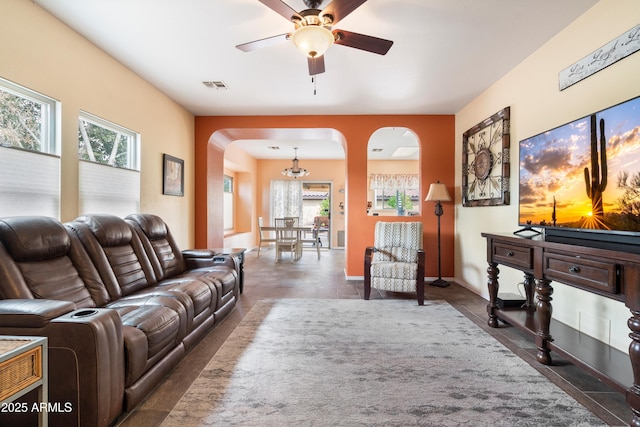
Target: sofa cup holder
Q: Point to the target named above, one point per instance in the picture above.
(84, 313)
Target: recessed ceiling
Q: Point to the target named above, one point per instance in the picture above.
(397, 143)
(445, 52)
(307, 149)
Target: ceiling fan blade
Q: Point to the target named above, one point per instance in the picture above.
(258, 44)
(281, 8)
(362, 42)
(316, 65)
(339, 9)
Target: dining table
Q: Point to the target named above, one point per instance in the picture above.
(300, 229)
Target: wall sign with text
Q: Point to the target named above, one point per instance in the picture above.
(612, 52)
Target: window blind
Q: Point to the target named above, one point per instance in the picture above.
(106, 189)
(29, 183)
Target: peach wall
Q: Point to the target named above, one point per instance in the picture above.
(242, 167)
(41, 53)
(437, 139)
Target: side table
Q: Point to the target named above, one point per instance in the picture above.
(24, 367)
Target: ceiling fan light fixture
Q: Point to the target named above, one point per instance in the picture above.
(295, 170)
(312, 40)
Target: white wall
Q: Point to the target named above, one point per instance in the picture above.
(537, 104)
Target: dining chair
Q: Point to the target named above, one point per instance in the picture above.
(314, 240)
(287, 237)
(295, 220)
(320, 225)
(265, 236)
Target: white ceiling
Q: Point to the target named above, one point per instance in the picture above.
(324, 144)
(445, 52)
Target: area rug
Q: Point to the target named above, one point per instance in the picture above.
(305, 362)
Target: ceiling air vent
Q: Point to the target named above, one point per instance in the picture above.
(216, 84)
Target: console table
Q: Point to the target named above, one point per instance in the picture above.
(608, 273)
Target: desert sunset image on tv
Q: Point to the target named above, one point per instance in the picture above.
(585, 174)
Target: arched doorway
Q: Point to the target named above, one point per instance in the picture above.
(393, 172)
(254, 158)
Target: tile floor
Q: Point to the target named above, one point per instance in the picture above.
(324, 278)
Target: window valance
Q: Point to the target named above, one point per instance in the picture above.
(395, 181)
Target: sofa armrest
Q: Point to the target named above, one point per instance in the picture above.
(91, 348)
(86, 360)
(198, 258)
(32, 313)
(198, 253)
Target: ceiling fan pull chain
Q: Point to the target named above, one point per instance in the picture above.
(314, 81)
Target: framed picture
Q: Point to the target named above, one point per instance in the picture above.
(485, 162)
(172, 176)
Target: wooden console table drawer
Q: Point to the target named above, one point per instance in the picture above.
(595, 275)
(513, 255)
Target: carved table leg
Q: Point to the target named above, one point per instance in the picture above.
(492, 283)
(529, 290)
(544, 311)
(633, 394)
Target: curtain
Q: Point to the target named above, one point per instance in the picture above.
(286, 198)
(396, 181)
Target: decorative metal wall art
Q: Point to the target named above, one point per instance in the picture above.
(485, 162)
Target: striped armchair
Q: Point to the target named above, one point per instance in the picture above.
(396, 261)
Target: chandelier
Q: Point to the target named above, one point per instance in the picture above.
(295, 171)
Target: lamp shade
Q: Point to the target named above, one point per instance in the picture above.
(312, 40)
(438, 192)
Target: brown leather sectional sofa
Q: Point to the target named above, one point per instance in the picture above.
(118, 301)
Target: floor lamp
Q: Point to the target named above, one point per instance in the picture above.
(437, 193)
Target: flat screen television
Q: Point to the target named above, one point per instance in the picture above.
(581, 181)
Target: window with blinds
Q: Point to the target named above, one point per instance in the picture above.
(29, 152)
(109, 172)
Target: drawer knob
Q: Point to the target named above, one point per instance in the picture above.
(510, 253)
(574, 270)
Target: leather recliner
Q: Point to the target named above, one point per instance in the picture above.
(115, 326)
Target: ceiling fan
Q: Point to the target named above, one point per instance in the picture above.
(313, 33)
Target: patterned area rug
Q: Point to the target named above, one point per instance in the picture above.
(304, 362)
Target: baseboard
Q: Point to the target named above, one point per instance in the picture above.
(426, 279)
(482, 292)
